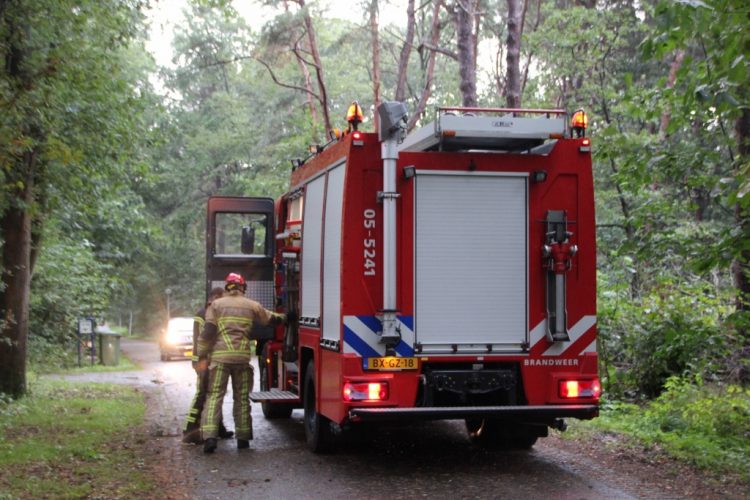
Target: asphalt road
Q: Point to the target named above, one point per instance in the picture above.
(432, 459)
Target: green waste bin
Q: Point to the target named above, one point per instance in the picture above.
(109, 347)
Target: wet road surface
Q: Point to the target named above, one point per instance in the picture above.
(433, 459)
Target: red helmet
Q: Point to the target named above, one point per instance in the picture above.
(234, 281)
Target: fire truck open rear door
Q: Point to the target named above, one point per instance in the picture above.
(239, 239)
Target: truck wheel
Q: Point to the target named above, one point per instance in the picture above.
(271, 410)
(317, 427)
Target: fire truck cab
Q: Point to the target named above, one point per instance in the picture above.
(444, 274)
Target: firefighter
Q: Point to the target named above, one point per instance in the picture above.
(192, 430)
(226, 339)
(579, 123)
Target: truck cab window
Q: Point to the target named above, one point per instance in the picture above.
(240, 234)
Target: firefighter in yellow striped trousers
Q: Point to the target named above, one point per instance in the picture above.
(226, 339)
(191, 432)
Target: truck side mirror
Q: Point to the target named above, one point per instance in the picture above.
(248, 240)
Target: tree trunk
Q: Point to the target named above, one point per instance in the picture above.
(310, 93)
(465, 13)
(403, 60)
(513, 55)
(375, 58)
(322, 93)
(16, 219)
(15, 231)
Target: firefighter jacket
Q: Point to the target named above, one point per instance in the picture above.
(226, 333)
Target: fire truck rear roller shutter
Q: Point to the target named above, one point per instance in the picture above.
(471, 261)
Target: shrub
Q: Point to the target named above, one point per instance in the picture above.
(674, 330)
(706, 425)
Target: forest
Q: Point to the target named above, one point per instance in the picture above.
(107, 158)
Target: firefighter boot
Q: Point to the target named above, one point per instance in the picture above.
(245, 443)
(210, 445)
(224, 433)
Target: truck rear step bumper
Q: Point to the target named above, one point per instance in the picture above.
(274, 395)
(540, 414)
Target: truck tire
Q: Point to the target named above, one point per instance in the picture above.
(498, 434)
(271, 410)
(318, 432)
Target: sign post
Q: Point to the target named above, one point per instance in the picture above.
(86, 332)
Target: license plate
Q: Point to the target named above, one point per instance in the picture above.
(188, 353)
(391, 363)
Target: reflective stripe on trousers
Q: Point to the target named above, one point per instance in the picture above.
(242, 384)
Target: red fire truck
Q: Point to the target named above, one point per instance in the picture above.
(444, 274)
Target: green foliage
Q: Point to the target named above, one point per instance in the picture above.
(705, 425)
(74, 99)
(674, 329)
(667, 176)
(69, 282)
(712, 82)
(578, 64)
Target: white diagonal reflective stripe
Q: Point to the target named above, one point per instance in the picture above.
(405, 330)
(591, 347)
(360, 329)
(407, 334)
(538, 333)
(575, 332)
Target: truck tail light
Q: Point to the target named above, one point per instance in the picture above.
(573, 389)
(365, 391)
(357, 138)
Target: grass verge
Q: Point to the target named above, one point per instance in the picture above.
(124, 366)
(705, 426)
(67, 440)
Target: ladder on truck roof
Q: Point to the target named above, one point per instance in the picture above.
(506, 129)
